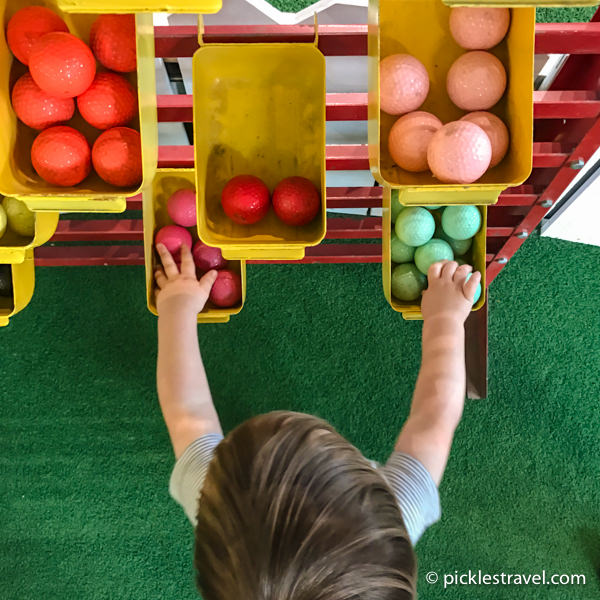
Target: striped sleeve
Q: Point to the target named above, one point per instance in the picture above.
(415, 491)
(190, 471)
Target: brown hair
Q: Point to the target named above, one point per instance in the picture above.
(290, 510)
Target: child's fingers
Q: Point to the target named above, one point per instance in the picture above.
(435, 270)
(471, 285)
(160, 277)
(448, 269)
(461, 274)
(188, 268)
(206, 282)
(168, 263)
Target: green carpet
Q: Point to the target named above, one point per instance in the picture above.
(86, 459)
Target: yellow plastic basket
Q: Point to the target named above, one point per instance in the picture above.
(130, 6)
(155, 199)
(475, 257)
(421, 28)
(14, 247)
(23, 278)
(521, 3)
(259, 109)
(17, 176)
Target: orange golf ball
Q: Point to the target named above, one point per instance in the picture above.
(479, 28)
(495, 129)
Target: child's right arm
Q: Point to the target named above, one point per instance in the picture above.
(440, 391)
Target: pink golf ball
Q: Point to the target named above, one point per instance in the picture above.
(409, 139)
(403, 83)
(181, 207)
(495, 129)
(476, 28)
(173, 237)
(208, 257)
(476, 81)
(459, 152)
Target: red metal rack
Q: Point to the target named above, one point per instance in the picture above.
(567, 132)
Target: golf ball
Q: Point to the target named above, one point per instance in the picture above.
(407, 282)
(431, 252)
(479, 28)
(461, 222)
(495, 129)
(409, 138)
(415, 226)
(404, 84)
(401, 253)
(477, 289)
(459, 247)
(395, 205)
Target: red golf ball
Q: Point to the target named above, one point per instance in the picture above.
(27, 26)
(117, 157)
(61, 156)
(109, 102)
(62, 65)
(296, 201)
(173, 237)
(208, 257)
(112, 40)
(227, 289)
(36, 108)
(245, 199)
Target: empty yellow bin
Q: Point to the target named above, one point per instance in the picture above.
(23, 280)
(17, 176)
(421, 28)
(475, 256)
(130, 6)
(259, 109)
(14, 247)
(166, 182)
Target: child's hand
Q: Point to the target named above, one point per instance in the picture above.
(181, 290)
(447, 293)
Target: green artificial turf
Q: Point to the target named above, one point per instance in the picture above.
(86, 458)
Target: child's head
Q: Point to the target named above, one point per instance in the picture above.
(290, 510)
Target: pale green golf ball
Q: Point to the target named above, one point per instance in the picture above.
(433, 206)
(401, 253)
(415, 226)
(407, 282)
(433, 251)
(459, 247)
(396, 206)
(477, 289)
(461, 222)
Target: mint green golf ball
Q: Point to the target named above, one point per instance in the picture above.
(433, 206)
(407, 282)
(401, 253)
(396, 206)
(433, 251)
(461, 222)
(415, 226)
(477, 289)
(459, 247)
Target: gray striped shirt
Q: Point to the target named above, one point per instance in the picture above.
(415, 490)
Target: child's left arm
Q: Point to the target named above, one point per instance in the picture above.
(183, 389)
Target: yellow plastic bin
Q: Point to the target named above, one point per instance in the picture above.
(23, 279)
(475, 256)
(421, 28)
(259, 109)
(14, 247)
(166, 182)
(129, 6)
(17, 176)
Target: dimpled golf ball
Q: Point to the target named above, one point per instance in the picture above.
(478, 28)
(62, 65)
(459, 247)
(461, 222)
(407, 282)
(112, 39)
(401, 253)
(459, 152)
(431, 252)
(181, 207)
(409, 138)
(433, 206)
(117, 157)
(477, 289)
(404, 84)
(395, 206)
(415, 226)
(495, 129)
(476, 81)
